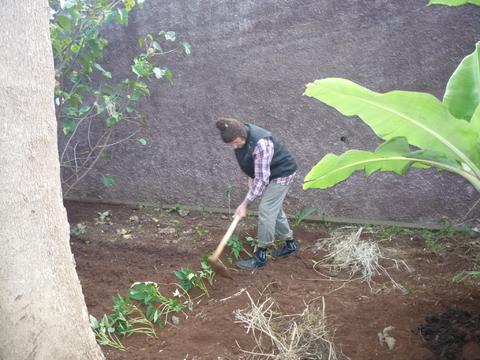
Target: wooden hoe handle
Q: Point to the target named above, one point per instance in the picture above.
(228, 234)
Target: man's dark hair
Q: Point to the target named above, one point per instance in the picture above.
(230, 129)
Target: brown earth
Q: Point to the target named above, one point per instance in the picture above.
(149, 244)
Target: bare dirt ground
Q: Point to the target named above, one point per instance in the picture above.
(138, 244)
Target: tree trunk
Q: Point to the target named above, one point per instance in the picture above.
(42, 309)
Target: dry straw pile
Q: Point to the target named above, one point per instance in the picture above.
(286, 337)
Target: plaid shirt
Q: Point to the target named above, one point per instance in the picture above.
(262, 155)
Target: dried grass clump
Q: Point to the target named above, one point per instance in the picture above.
(360, 258)
(288, 337)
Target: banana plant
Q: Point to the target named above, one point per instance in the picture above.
(418, 129)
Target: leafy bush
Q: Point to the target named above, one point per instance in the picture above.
(90, 101)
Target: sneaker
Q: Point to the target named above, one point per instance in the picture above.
(291, 246)
(258, 260)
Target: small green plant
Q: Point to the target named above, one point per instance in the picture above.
(78, 230)
(141, 206)
(104, 216)
(433, 244)
(179, 209)
(464, 229)
(251, 241)
(389, 232)
(125, 319)
(206, 271)
(176, 224)
(464, 274)
(201, 231)
(303, 213)
(190, 279)
(236, 247)
(105, 332)
(157, 305)
(128, 319)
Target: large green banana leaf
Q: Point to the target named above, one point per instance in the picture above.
(453, 2)
(475, 120)
(420, 117)
(462, 94)
(394, 155)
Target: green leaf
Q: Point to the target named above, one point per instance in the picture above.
(170, 35)
(137, 70)
(157, 46)
(75, 100)
(168, 74)
(122, 16)
(184, 276)
(107, 180)
(71, 110)
(159, 73)
(100, 108)
(129, 4)
(333, 169)
(141, 86)
(84, 109)
(304, 213)
(104, 72)
(69, 126)
(64, 22)
(393, 156)
(110, 16)
(111, 121)
(75, 48)
(420, 117)
(453, 2)
(186, 47)
(142, 141)
(93, 322)
(462, 94)
(136, 95)
(75, 14)
(475, 120)
(462, 275)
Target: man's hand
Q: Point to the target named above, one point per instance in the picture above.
(250, 183)
(241, 210)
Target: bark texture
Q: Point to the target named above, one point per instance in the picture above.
(42, 308)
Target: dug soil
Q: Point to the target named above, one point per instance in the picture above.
(137, 243)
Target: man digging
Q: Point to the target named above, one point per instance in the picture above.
(270, 169)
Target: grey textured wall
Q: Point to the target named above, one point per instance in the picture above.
(251, 60)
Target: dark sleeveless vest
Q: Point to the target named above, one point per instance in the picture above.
(282, 163)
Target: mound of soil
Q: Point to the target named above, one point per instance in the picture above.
(453, 335)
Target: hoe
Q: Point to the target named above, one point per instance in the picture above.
(214, 260)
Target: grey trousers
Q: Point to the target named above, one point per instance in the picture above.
(272, 221)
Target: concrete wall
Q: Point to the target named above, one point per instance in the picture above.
(251, 60)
